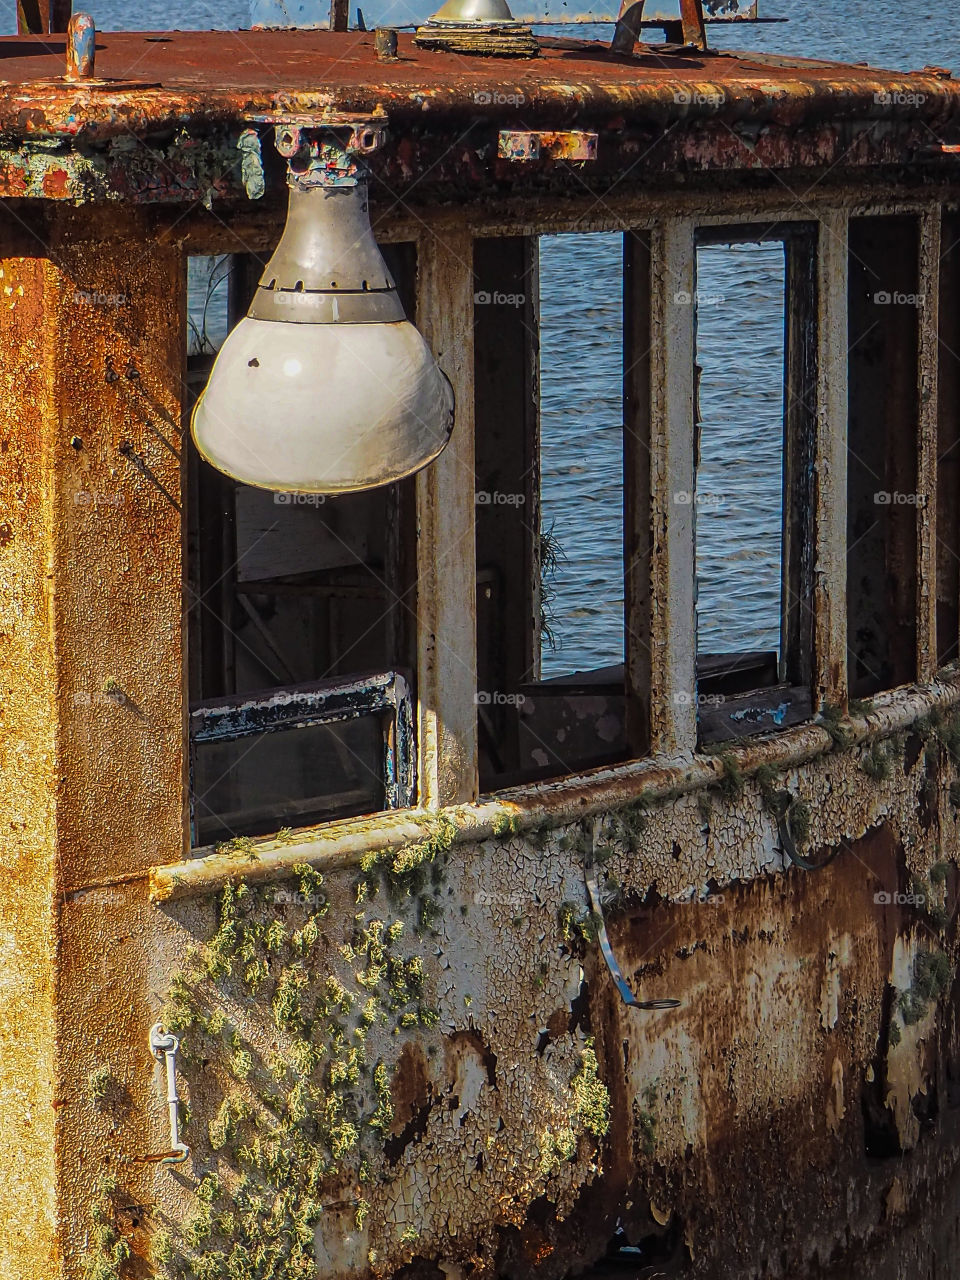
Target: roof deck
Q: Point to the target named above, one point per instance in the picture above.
(656, 113)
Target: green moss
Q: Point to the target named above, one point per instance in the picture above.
(938, 915)
(731, 781)
(577, 924)
(591, 1094)
(161, 1247)
(589, 1115)
(767, 777)
(912, 1007)
(895, 1034)
(799, 817)
(832, 719)
(944, 730)
(239, 846)
(939, 872)
(506, 825)
(100, 1084)
(932, 974)
(310, 1115)
(557, 1146)
(107, 1250)
(875, 762)
(646, 1126)
(406, 872)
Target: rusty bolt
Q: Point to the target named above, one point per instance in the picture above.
(385, 44)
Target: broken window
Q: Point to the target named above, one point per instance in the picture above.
(563, 402)
(752, 498)
(882, 498)
(549, 493)
(301, 632)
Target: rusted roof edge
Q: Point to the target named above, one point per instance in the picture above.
(28, 113)
(339, 845)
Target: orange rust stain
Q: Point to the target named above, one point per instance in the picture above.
(410, 1087)
(56, 184)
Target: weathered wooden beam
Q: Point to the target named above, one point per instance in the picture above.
(447, 609)
(673, 711)
(830, 464)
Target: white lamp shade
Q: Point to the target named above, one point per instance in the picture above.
(323, 408)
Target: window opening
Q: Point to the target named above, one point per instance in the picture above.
(301, 631)
(882, 499)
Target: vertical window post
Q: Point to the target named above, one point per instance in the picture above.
(637, 528)
(830, 464)
(927, 512)
(446, 553)
(673, 710)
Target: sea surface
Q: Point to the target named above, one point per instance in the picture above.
(739, 349)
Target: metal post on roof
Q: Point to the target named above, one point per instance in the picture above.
(309, 14)
(40, 17)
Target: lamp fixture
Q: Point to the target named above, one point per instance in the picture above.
(324, 386)
(480, 27)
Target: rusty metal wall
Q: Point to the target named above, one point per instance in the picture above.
(499, 1142)
(92, 672)
(760, 1128)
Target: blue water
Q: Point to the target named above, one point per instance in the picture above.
(739, 349)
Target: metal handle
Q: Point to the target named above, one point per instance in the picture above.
(164, 1044)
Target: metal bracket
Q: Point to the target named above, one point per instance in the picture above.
(626, 995)
(572, 145)
(163, 1044)
(251, 164)
(322, 151)
(689, 27)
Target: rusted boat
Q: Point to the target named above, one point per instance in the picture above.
(336, 941)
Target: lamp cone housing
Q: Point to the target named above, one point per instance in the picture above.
(325, 386)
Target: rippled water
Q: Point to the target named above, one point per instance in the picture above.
(739, 349)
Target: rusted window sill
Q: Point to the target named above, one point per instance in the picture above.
(343, 844)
